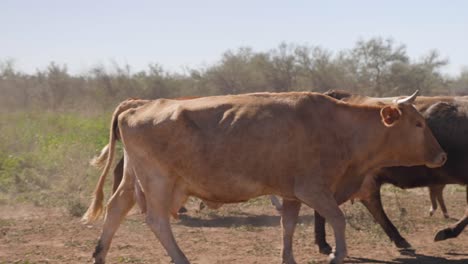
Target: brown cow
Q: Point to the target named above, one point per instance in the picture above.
(447, 117)
(306, 147)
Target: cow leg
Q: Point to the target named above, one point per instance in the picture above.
(335, 217)
(289, 218)
(320, 234)
(453, 231)
(160, 225)
(324, 202)
(140, 198)
(440, 199)
(373, 203)
(432, 196)
(119, 204)
(118, 174)
(179, 198)
(276, 203)
(160, 200)
(437, 196)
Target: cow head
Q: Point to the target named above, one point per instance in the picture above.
(412, 142)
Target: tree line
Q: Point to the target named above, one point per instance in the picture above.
(375, 67)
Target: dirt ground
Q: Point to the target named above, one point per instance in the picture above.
(236, 233)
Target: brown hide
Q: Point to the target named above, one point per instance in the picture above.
(208, 139)
(303, 146)
(447, 116)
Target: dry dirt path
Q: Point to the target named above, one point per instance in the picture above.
(239, 233)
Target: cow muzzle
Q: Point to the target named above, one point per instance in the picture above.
(439, 161)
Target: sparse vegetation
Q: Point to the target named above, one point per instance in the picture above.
(44, 156)
(375, 67)
(53, 122)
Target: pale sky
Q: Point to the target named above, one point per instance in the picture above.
(195, 33)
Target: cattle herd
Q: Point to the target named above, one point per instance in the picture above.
(318, 149)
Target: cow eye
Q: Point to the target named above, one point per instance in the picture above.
(419, 124)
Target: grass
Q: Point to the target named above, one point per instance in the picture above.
(44, 157)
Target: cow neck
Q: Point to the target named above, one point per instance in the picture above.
(367, 135)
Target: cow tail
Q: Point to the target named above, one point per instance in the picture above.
(100, 161)
(95, 209)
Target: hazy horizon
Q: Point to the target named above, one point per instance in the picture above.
(180, 34)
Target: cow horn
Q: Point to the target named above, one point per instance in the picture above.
(408, 100)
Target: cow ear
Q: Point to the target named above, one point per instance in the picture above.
(390, 115)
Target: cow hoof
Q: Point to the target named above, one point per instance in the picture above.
(289, 261)
(325, 249)
(98, 255)
(332, 259)
(431, 212)
(402, 244)
(446, 216)
(99, 261)
(442, 235)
